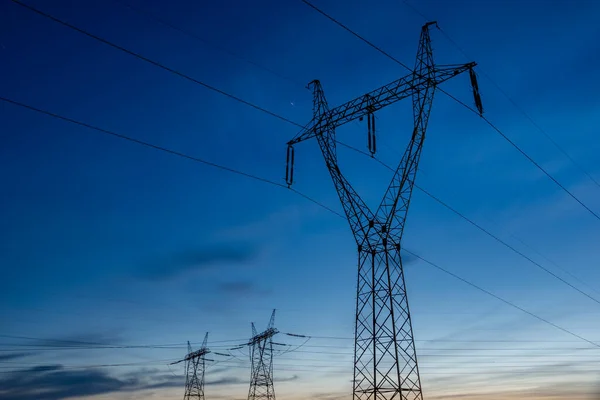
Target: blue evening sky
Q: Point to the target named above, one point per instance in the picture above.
(106, 242)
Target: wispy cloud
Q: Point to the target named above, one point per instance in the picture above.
(14, 356)
(55, 382)
(195, 260)
(241, 288)
(226, 380)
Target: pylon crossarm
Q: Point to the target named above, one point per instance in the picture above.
(377, 99)
(357, 108)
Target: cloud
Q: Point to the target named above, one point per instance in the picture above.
(288, 379)
(191, 261)
(240, 288)
(55, 382)
(13, 356)
(227, 380)
(331, 396)
(80, 339)
(547, 391)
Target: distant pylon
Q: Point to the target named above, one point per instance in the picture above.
(195, 367)
(261, 356)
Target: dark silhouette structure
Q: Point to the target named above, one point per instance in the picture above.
(385, 361)
(195, 367)
(261, 357)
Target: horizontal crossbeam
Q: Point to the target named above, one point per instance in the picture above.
(378, 99)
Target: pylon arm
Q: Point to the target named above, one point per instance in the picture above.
(376, 100)
(269, 333)
(196, 354)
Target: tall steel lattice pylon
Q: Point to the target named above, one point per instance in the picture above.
(195, 367)
(261, 357)
(385, 361)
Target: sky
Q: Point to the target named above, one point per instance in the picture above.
(113, 255)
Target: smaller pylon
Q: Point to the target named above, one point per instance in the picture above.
(195, 366)
(261, 356)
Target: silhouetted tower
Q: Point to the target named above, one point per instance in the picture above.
(195, 366)
(261, 356)
(385, 361)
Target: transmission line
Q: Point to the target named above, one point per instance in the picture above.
(230, 96)
(179, 154)
(155, 63)
(153, 17)
(512, 101)
(482, 229)
(502, 300)
(290, 121)
(494, 127)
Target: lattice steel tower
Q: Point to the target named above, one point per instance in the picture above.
(385, 361)
(261, 356)
(195, 366)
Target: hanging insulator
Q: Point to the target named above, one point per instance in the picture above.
(289, 167)
(369, 134)
(371, 131)
(475, 88)
(374, 149)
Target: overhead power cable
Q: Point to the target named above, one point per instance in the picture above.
(511, 100)
(195, 81)
(155, 63)
(153, 17)
(166, 150)
(502, 300)
(281, 117)
(482, 229)
(494, 127)
(179, 154)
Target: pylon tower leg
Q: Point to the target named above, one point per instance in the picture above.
(385, 363)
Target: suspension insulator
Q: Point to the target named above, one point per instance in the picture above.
(371, 133)
(475, 88)
(289, 167)
(374, 149)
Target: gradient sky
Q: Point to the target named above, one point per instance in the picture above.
(106, 242)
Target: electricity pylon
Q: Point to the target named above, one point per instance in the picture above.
(385, 361)
(195, 367)
(261, 356)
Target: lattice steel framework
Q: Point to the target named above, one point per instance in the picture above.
(261, 357)
(195, 367)
(385, 361)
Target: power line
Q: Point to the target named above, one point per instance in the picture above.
(509, 246)
(228, 95)
(283, 118)
(494, 127)
(20, 347)
(457, 341)
(164, 149)
(155, 63)
(482, 229)
(463, 104)
(502, 300)
(511, 100)
(153, 17)
(551, 368)
(105, 344)
(179, 154)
